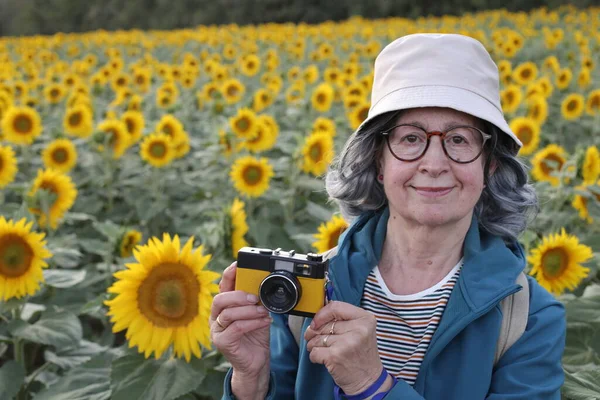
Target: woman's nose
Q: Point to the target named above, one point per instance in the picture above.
(434, 160)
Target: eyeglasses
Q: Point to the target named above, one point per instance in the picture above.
(461, 144)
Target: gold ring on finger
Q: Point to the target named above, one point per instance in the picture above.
(325, 341)
(331, 332)
(219, 322)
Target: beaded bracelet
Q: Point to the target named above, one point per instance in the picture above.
(340, 395)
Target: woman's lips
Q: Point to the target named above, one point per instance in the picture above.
(433, 191)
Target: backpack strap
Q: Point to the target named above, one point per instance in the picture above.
(515, 314)
(295, 322)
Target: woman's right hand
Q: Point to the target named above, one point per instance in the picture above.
(241, 334)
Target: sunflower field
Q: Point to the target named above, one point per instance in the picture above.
(134, 165)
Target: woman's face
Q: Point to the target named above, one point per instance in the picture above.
(433, 190)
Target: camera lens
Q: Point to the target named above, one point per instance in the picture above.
(279, 292)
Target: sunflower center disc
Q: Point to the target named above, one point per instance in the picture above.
(315, 153)
(243, 124)
(334, 236)
(232, 91)
(130, 125)
(169, 295)
(554, 262)
(252, 175)
(60, 156)
(15, 256)
(572, 106)
(74, 119)
(23, 124)
(321, 98)
(547, 167)
(363, 114)
(525, 135)
(158, 150)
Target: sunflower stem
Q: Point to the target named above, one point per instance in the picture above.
(19, 351)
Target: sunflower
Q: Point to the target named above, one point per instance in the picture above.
(225, 141)
(583, 78)
(358, 114)
(525, 73)
(537, 109)
(322, 97)
(244, 124)
(556, 262)
(294, 94)
(264, 139)
(317, 152)
(324, 125)
(591, 165)
(8, 165)
(118, 139)
(182, 146)
(251, 176)
(232, 90)
(329, 233)
(548, 161)
(157, 149)
(250, 65)
(239, 227)
(511, 98)
(592, 105)
(311, 73)
(134, 121)
(572, 106)
(528, 132)
(165, 100)
(21, 125)
(60, 154)
(170, 126)
(580, 202)
(130, 239)
(22, 258)
(78, 121)
(164, 298)
(54, 93)
(63, 192)
(563, 78)
(263, 98)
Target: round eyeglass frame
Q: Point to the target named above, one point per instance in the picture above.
(442, 135)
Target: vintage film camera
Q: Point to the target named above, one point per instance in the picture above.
(284, 281)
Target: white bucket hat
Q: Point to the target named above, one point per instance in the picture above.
(438, 70)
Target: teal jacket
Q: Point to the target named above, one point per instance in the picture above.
(459, 362)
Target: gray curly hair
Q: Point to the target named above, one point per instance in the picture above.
(507, 203)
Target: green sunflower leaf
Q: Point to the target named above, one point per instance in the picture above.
(582, 385)
(59, 329)
(12, 376)
(135, 378)
(60, 278)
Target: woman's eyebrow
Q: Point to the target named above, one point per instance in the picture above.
(447, 126)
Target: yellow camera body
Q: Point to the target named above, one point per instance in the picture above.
(285, 282)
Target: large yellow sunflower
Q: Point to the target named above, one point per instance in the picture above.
(322, 97)
(528, 131)
(572, 106)
(244, 124)
(329, 233)
(22, 257)
(134, 121)
(60, 154)
(119, 138)
(591, 165)
(547, 161)
(580, 202)
(325, 125)
(317, 152)
(54, 93)
(78, 121)
(250, 65)
(64, 194)
(264, 139)
(21, 125)
(130, 239)
(251, 176)
(233, 90)
(157, 149)
(358, 114)
(537, 108)
(563, 78)
(511, 98)
(263, 98)
(239, 227)
(164, 298)
(556, 262)
(8, 165)
(525, 73)
(170, 126)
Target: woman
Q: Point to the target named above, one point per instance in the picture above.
(437, 198)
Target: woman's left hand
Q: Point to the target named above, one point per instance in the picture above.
(349, 353)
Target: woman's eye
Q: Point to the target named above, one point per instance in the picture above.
(457, 140)
(410, 139)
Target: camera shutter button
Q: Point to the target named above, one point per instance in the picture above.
(314, 257)
(265, 251)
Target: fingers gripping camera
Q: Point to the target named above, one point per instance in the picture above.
(285, 282)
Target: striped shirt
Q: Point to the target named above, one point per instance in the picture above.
(406, 323)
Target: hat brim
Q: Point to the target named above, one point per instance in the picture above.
(441, 96)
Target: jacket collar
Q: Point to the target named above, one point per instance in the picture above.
(490, 265)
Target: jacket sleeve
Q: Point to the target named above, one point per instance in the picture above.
(532, 368)
(284, 362)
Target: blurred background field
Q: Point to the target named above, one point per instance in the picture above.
(137, 159)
